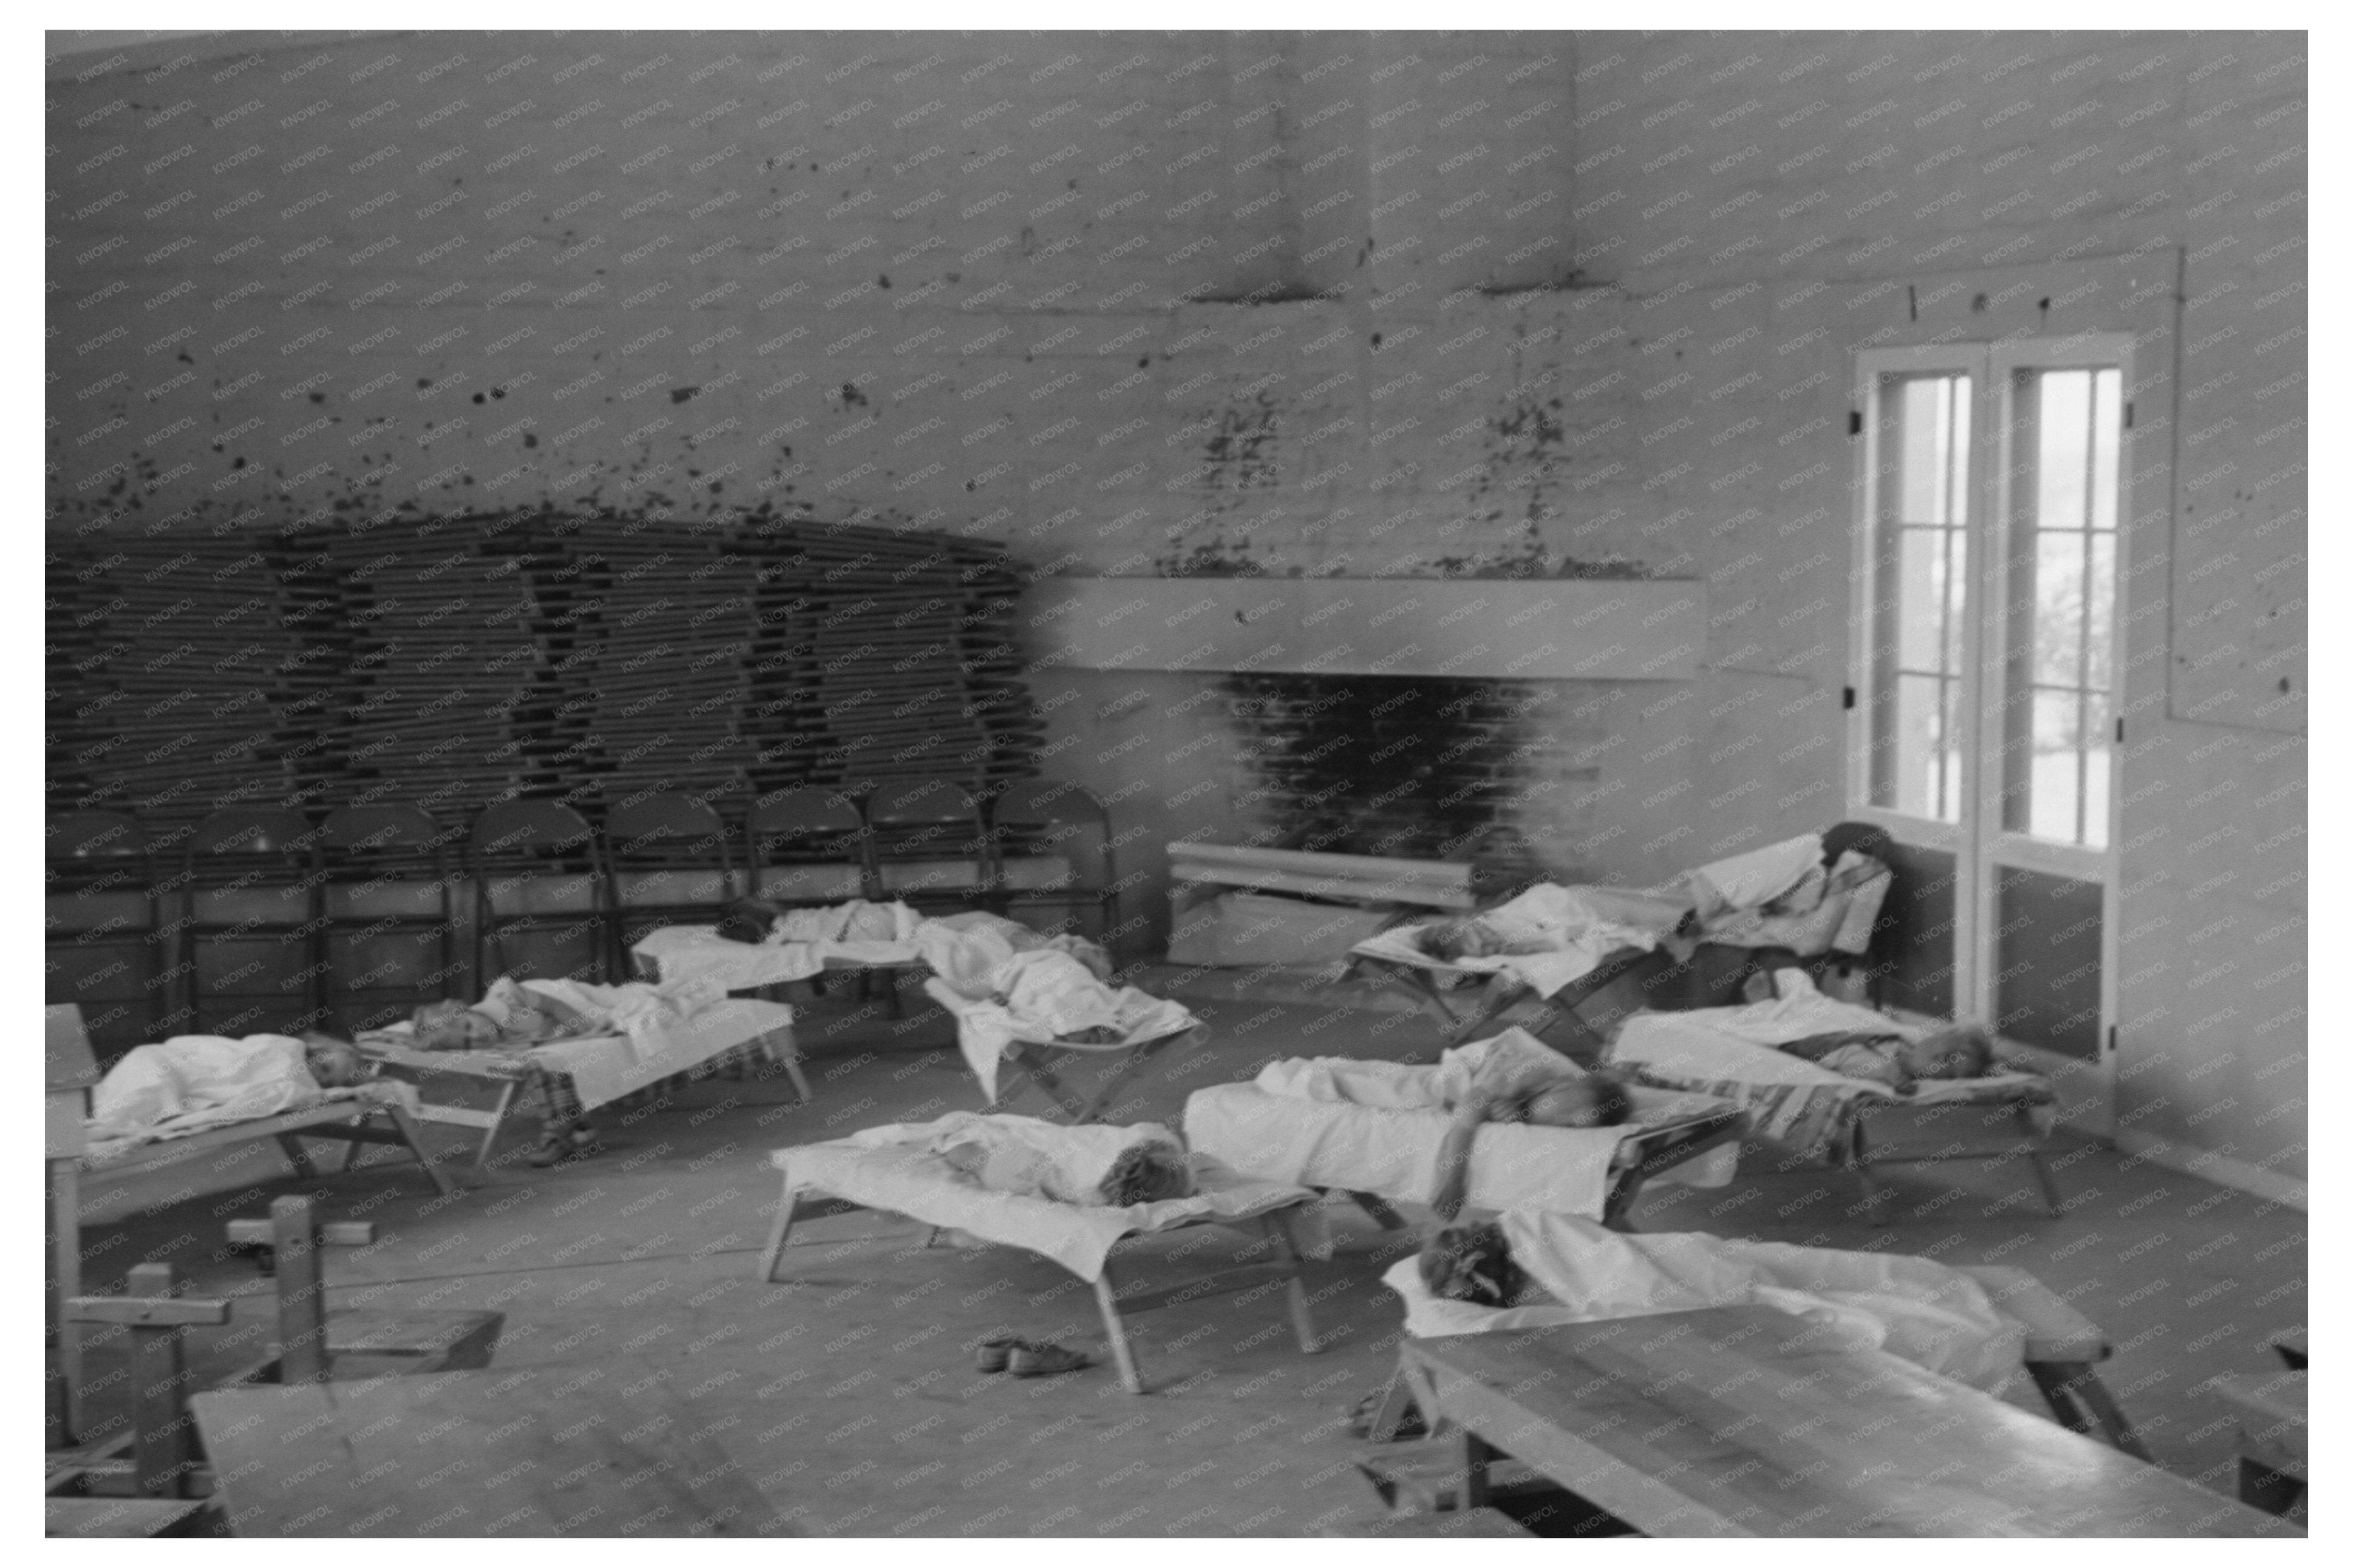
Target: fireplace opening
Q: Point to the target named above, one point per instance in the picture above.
(1405, 767)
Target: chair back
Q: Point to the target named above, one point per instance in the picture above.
(240, 839)
(806, 845)
(666, 828)
(932, 820)
(539, 892)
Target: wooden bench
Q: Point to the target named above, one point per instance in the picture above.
(1745, 1421)
(2274, 1435)
(158, 1459)
(610, 1449)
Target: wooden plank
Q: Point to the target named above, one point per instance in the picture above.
(1745, 1421)
(606, 1451)
(335, 1233)
(1440, 873)
(147, 1312)
(1479, 1523)
(1542, 630)
(1390, 891)
(93, 1518)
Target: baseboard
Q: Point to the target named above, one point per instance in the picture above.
(2242, 1175)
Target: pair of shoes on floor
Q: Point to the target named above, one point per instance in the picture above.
(1029, 1358)
(563, 1148)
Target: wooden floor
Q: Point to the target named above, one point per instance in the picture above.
(848, 1391)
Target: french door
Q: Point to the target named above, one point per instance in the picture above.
(1986, 674)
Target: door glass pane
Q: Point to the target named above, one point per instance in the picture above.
(2059, 669)
(2054, 796)
(2058, 610)
(2063, 447)
(1921, 614)
(2108, 447)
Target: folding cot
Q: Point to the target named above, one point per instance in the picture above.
(1820, 1115)
(1380, 1156)
(602, 1066)
(890, 1170)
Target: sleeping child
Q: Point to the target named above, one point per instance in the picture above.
(1954, 1050)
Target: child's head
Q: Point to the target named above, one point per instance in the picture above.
(1956, 1050)
(1577, 1102)
(1466, 936)
(1472, 1263)
(451, 1026)
(333, 1063)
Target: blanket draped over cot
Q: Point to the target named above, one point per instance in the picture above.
(1779, 896)
(1376, 1127)
(1728, 1052)
(653, 1032)
(193, 1082)
(897, 1169)
(1932, 1316)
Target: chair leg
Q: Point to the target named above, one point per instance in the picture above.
(775, 1251)
(1116, 1332)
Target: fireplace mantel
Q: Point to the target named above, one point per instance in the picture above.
(1546, 629)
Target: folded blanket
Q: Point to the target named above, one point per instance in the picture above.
(1932, 1316)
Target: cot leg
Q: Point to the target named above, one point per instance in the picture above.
(1302, 1325)
(2261, 1486)
(498, 1124)
(1858, 1160)
(65, 1220)
(1396, 1399)
(786, 1052)
(1117, 1333)
(775, 1250)
(2043, 1174)
(1476, 1456)
(407, 1128)
(2082, 1403)
(1382, 1215)
(297, 1156)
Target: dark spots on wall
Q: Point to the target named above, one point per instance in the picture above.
(184, 358)
(1376, 340)
(882, 281)
(1979, 304)
(2282, 683)
(317, 397)
(1144, 363)
(681, 394)
(424, 381)
(850, 396)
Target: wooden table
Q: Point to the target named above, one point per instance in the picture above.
(1745, 1421)
(603, 1450)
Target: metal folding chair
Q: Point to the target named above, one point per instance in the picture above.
(540, 907)
(249, 894)
(389, 910)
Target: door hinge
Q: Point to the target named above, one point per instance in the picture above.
(2127, 416)
(2120, 732)
(1854, 421)
(2111, 1039)
(1850, 697)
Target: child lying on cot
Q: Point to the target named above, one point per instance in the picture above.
(1511, 1078)
(506, 1018)
(1954, 1050)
